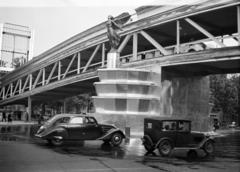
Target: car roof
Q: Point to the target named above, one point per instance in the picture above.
(168, 118)
(71, 115)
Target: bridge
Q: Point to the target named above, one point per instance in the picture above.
(178, 42)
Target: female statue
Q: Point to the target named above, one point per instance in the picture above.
(113, 36)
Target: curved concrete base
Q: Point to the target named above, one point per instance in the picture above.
(128, 92)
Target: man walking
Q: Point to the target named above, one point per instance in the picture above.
(4, 119)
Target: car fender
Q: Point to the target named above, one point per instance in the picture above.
(201, 144)
(164, 138)
(147, 137)
(109, 134)
(60, 131)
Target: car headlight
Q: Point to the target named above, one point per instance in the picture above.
(41, 129)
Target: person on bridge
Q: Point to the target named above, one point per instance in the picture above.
(9, 117)
(4, 118)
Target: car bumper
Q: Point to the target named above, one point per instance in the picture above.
(38, 135)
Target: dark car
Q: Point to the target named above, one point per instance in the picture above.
(73, 127)
(167, 134)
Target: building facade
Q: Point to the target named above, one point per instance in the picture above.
(16, 46)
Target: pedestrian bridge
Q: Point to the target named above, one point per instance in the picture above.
(195, 40)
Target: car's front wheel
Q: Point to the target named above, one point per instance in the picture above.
(116, 139)
(56, 141)
(208, 147)
(165, 148)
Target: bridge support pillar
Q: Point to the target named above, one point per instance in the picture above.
(64, 106)
(187, 97)
(29, 109)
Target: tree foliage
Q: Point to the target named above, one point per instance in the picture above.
(79, 103)
(225, 95)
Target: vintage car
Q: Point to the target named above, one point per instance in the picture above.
(73, 127)
(185, 48)
(232, 125)
(168, 134)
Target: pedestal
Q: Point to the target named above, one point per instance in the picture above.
(112, 60)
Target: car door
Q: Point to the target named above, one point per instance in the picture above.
(76, 130)
(169, 130)
(183, 134)
(92, 129)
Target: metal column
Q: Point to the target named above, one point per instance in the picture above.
(29, 109)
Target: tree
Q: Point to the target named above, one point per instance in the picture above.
(235, 80)
(80, 102)
(225, 90)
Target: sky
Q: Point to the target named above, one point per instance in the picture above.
(54, 21)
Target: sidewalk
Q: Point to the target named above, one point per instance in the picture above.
(18, 123)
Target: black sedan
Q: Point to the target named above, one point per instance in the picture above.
(72, 127)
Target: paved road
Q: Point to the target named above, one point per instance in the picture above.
(21, 152)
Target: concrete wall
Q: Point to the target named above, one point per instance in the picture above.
(187, 97)
(184, 96)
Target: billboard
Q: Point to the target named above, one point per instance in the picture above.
(16, 44)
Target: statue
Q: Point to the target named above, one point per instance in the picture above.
(113, 36)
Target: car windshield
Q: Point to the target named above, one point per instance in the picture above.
(90, 120)
(51, 120)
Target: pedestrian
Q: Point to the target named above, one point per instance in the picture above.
(40, 119)
(26, 113)
(9, 118)
(4, 117)
(215, 125)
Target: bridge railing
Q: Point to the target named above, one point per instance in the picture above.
(198, 45)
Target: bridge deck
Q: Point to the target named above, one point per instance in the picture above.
(224, 60)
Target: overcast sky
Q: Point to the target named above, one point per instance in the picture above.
(54, 21)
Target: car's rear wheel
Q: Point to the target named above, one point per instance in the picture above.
(56, 142)
(209, 147)
(165, 148)
(116, 139)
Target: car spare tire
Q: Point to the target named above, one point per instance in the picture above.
(148, 145)
(208, 147)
